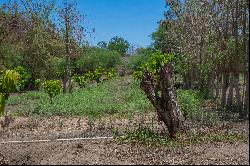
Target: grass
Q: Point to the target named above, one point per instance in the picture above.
(146, 136)
(120, 96)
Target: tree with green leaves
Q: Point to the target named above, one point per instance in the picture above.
(118, 44)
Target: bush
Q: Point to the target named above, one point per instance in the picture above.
(190, 103)
(38, 83)
(52, 88)
(99, 75)
(97, 57)
(8, 84)
(25, 76)
(143, 56)
(80, 80)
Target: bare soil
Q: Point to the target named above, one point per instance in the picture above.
(107, 151)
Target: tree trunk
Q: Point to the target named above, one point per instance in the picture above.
(67, 83)
(245, 113)
(224, 89)
(217, 90)
(166, 105)
(237, 91)
(230, 92)
(64, 85)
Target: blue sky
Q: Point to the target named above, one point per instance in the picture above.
(133, 20)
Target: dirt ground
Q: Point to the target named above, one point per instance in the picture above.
(107, 151)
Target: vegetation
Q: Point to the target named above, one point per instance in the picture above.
(195, 70)
(146, 136)
(52, 88)
(209, 40)
(114, 96)
(8, 83)
(97, 57)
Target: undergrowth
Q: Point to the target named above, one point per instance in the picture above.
(146, 136)
(120, 96)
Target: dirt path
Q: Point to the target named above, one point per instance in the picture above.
(109, 152)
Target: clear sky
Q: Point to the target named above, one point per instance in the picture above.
(133, 20)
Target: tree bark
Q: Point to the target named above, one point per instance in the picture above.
(166, 105)
(224, 89)
(230, 92)
(245, 113)
(237, 91)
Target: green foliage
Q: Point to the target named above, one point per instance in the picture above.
(52, 88)
(119, 45)
(143, 135)
(24, 77)
(191, 105)
(156, 62)
(80, 80)
(189, 101)
(111, 73)
(11, 55)
(2, 104)
(8, 84)
(38, 83)
(147, 136)
(102, 44)
(58, 67)
(142, 56)
(113, 97)
(100, 74)
(8, 81)
(94, 58)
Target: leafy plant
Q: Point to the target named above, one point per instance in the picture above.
(80, 80)
(119, 45)
(98, 74)
(24, 77)
(38, 83)
(189, 101)
(191, 105)
(52, 88)
(143, 135)
(156, 61)
(8, 83)
(111, 73)
(94, 58)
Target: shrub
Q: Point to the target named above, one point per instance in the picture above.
(97, 57)
(38, 83)
(80, 80)
(189, 101)
(111, 73)
(8, 84)
(143, 56)
(52, 88)
(24, 77)
(98, 73)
